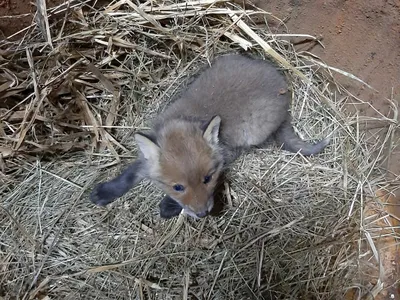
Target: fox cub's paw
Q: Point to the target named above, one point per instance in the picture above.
(169, 208)
(103, 194)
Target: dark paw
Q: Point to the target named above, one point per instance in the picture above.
(102, 194)
(169, 208)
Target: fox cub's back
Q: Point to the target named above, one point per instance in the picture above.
(251, 97)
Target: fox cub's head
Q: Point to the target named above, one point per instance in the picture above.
(185, 161)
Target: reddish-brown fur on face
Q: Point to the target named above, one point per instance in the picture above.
(185, 159)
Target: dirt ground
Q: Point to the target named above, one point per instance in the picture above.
(15, 15)
(21, 12)
(360, 36)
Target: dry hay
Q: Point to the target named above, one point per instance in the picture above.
(77, 87)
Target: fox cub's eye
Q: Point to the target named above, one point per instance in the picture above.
(207, 179)
(179, 187)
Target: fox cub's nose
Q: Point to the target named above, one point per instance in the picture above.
(202, 214)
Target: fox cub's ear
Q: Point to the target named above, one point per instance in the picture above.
(211, 130)
(147, 146)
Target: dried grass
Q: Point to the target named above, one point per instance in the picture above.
(75, 89)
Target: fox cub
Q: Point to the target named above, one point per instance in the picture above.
(237, 103)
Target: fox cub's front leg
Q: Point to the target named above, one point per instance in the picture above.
(169, 208)
(107, 192)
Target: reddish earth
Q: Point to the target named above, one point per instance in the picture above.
(22, 16)
(22, 12)
(360, 36)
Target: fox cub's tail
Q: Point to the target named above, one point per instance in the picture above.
(286, 137)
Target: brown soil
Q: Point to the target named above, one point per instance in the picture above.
(16, 15)
(360, 36)
(22, 12)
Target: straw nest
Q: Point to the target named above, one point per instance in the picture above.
(76, 86)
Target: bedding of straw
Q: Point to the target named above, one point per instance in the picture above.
(76, 86)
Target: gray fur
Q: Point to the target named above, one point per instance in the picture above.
(252, 99)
